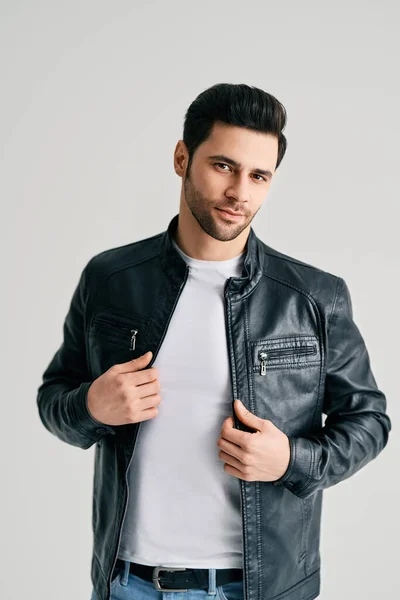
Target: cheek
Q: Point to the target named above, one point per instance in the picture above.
(210, 184)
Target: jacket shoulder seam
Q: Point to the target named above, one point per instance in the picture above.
(126, 246)
(292, 285)
(104, 276)
(295, 261)
(339, 287)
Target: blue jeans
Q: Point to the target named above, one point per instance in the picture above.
(127, 586)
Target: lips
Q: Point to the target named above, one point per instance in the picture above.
(235, 214)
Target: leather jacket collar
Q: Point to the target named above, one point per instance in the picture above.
(175, 267)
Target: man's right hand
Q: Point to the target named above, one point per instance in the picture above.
(125, 393)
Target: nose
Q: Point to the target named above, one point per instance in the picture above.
(239, 190)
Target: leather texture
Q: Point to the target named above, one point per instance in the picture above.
(295, 353)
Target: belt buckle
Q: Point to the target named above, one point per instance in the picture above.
(156, 579)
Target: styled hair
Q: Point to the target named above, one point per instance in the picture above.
(236, 104)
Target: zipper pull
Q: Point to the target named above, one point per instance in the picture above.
(133, 339)
(263, 359)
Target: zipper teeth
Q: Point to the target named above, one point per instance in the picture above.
(241, 493)
(119, 331)
(110, 315)
(114, 324)
(138, 427)
(170, 317)
(288, 351)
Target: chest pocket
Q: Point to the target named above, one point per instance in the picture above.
(286, 374)
(288, 352)
(115, 338)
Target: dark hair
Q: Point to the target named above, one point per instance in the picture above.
(236, 104)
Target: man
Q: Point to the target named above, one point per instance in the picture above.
(165, 335)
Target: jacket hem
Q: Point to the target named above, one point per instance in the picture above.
(310, 588)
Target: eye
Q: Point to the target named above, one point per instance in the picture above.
(256, 174)
(223, 164)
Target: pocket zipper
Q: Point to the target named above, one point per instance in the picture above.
(123, 329)
(133, 339)
(264, 356)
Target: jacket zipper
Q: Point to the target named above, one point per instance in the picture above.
(228, 329)
(117, 321)
(265, 355)
(138, 427)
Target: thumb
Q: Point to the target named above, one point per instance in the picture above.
(142, 360)
(147, 356)
(135, 364)
(247, 417)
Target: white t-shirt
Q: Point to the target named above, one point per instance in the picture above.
(183, 508)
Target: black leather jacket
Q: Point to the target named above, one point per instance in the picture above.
(295, 354)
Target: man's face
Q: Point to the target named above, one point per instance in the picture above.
(213, 183)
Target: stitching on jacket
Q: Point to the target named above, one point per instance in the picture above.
(301, 490)
(227, 305)
(297, 586)
(320, 337)
(291, 259)
(121, 268)
(248, 358)
(339, 288)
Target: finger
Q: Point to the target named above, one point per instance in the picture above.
(236, 436)
(232, 449)
(231, 460)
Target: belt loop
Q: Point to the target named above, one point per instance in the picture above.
(125, 573)
(212, 579)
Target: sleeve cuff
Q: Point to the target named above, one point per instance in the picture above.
(84, 420)
(298, 474)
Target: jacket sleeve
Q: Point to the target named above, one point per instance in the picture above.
(62, 396)
(357, 427)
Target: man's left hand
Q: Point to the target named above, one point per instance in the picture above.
(260, 456)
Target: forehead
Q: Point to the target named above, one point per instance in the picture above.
(244, 145)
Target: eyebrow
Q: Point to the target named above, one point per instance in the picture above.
(234, 163)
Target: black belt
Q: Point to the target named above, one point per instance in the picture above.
(172, 578)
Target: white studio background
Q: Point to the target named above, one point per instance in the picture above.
(93, 96)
